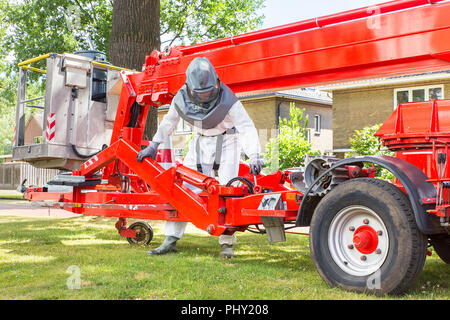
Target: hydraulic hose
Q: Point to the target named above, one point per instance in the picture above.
(74, 95)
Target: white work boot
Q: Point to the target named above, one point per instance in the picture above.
(226, 251)
(168, 246)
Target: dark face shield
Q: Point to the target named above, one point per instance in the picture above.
(202, 81)
(206, 95)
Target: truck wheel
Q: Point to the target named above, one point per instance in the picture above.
(364, 238)
(144, 233)
(441, 245)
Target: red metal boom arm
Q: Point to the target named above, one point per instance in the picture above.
(370, 42)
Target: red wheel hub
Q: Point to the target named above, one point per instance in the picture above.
(365, 240)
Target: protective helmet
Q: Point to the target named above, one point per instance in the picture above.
(202, 81)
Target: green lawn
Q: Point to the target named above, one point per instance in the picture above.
(35, 255)
(4, 197)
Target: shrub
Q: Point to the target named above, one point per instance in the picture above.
(364, 143)
(289, 148)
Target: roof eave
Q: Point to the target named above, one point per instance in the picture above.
(382, 82)
(285, 95)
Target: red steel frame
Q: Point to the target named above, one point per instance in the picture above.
(206, 210)
(412, 36)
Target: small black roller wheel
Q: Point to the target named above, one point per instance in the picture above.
(441, 244)
(364, 238)
(144, 233)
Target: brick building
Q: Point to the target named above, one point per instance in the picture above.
(33, 128)
(266, 108)
(365, 103)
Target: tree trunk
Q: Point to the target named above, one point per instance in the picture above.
(135, 34)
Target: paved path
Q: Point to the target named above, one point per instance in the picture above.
(23, 208)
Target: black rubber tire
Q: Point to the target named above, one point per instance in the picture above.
(407, 245)
(144, 236)
(441, 245)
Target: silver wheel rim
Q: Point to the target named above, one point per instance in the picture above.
(344, 250)
(141, 230)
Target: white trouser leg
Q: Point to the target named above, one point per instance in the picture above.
(177, 228)
(174, 228)
(225, 239)
(229, 169)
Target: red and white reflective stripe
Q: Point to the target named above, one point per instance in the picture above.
(51, 126)
(165, 156)
(90, 162)
(14, 137)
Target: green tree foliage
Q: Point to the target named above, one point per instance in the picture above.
(38, 27)
(42, 26)
(7, 93)
(363, 142)
(195, 21)
(289, 148)
(7, 108)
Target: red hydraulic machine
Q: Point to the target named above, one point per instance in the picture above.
(358, 223)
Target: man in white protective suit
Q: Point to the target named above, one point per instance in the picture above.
(222, 128)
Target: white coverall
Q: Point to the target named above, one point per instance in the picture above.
(245, 138)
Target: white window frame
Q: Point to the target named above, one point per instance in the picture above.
(308, 135)
(178, 152)
(411, 89)
(317, 124)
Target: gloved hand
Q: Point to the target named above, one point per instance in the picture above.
(256, 166)
(149, 152)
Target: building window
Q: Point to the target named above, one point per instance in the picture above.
(317, 124)
(428, 93)
(183, 128)
(178, 152)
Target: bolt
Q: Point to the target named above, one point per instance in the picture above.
(350, 246)
(363, 258)
(351, 229)
(366, 221)
(378, 251)
(212, 189)
(380, 233)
